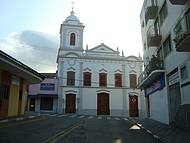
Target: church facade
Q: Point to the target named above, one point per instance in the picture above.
(96, 81)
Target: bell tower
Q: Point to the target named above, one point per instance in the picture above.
(71, 33)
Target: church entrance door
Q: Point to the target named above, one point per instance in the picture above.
(103, 104)
(70, 103)
(133, 106)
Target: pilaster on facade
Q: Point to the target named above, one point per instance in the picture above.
(124, 91)
(80, 107)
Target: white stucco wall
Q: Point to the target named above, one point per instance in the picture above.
(158, 100)
(159, 106)
(95, 60)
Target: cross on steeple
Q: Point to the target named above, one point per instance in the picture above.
(72, 12)
(72, 4)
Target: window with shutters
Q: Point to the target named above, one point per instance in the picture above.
(72, 39)
(118, 80)
(70, 78)
(102, 79)
(133, 80)
(86, 79)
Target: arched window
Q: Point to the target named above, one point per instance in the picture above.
(87, 79)
(102, 79)
(70, 78)
(133, 80)
(72, 39)
(118, 80)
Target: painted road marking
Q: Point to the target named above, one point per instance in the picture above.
(30, 117)
(99, 118)
(90, 117)
(52, 115)
(62, 115)
(73, 116)
(81, 116)
(4, 121)
(45, 114)
(63, 133)
(21, 123)
(19, 119)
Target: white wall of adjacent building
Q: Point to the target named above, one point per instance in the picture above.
(159, 103)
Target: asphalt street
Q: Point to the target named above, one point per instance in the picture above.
(54, 128)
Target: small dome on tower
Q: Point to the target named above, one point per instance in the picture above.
(72, 19)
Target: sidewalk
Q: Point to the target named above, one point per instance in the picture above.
(166, 133)
(27, 115)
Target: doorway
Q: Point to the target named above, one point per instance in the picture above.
(32, 104)
(70, 103)
(133, 106)
(103, 104)
(175, 100)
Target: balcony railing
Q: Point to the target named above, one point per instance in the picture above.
(182, 34)
(151, 11)
(153, 37)
(178, 2)
(151, 72)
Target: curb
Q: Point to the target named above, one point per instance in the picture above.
(148, 131)
(18, 119)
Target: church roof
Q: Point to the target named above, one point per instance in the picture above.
(102, 48)
(72, 19)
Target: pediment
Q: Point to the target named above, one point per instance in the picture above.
(132, 58)
(103, 49)
(71, 55)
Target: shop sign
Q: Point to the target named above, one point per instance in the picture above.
(157, 85)
(47, 86)
(174, 78)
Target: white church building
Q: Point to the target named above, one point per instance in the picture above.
(96, 81)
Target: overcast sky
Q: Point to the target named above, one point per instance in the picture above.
(29, 29)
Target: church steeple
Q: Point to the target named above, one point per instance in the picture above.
(71, 33)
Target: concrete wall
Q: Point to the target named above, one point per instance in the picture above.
(13, 100)
(24, 96)
(159, 106)
(158, 100)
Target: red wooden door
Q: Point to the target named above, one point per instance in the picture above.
(133, 106)
(103, 104)
(70, 103)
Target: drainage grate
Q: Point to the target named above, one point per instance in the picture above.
(188, 119)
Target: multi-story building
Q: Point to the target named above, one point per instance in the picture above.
(42, 97)
(165, 27)
(14, 79)
(97, 81)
